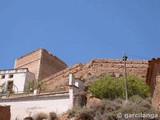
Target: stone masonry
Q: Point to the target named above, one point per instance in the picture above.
(153, 80)
(96, 68)
(54, 72)
(41, 63)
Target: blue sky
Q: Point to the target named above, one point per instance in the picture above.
(79, 30)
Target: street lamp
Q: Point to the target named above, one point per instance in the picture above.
(125, 75)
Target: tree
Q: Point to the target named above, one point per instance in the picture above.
(110, 87)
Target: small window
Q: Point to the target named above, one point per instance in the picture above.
(3, 76)
(11, 76)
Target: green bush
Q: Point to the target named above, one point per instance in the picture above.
(109, 87)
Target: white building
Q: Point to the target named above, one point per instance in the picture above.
(58, 102)
(14, 80)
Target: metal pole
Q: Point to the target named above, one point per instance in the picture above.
(125, 75)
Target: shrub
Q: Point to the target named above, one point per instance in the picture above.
(85, 114)
(108, 109)
(52, 116)
(142, 105)
(73, 111)
(39, 85)
(29, 86)
(40, 116)
(109, 87)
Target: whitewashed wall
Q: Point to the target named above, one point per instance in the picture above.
(20, 76)
(22, 108)
(29, 105)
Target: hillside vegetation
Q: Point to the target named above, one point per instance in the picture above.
(136, 108)
(112, 87)
(113, 106)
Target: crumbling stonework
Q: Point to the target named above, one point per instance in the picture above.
(113, 67)
(41, 63)
(54, 72)
(60, 79)
(96, 68)
(5, 113)
(153, 80)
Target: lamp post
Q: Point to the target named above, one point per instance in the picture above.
(125, 75)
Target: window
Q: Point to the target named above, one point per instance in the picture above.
(10, 86)
(11, 76)
(2, 76)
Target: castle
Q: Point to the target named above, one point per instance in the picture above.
(63, 84)
(43, 66)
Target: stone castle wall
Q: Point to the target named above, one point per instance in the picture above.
(60, 79)
(96, 68)
(49, 65)
(30, 61)
(54, 72)
(113, 67)
(41, 63)
(153, 80)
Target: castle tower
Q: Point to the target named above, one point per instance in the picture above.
(41, 63)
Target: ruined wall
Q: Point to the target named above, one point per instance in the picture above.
(153, 80)
(41, 63)
(156, 94)
(60, 79)
(5, 113)
(96, 68)
(152, 73)
(113, 67)
(54, 72)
